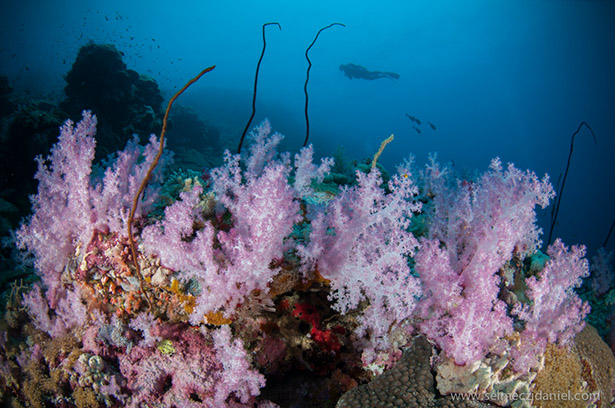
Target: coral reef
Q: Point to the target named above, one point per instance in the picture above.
(260, 282)
(580, 376)
(598, 365)
(409, 384)
(584, 374)
(125, 101)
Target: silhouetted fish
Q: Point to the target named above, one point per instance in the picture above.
(414, 119)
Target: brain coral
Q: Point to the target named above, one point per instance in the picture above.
(585, 368)
(588, 367)
(410, 384)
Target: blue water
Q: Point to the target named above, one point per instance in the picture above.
(497, 78)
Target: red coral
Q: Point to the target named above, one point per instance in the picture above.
(326, 339)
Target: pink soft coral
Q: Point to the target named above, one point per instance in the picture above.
(481, 224)
(194, 374)
(555, 312)
(361, 243)
(263, 207)
(62, 211)
(70, 312)
(69, 205)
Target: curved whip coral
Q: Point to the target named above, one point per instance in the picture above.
(258, 67)
(135, 200)
(561, 189)
(307, 78)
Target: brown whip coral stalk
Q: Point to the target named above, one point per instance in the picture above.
(307, 78)
(558, 200)
(258, 67)
(135, 200)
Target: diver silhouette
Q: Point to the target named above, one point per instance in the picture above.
(357, 71)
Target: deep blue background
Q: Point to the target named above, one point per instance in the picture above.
(507, 78)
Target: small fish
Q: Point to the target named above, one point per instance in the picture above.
(414, 119)
(432, 125)
(417, 129)
(166, 347)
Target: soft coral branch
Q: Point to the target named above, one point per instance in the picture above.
(481, 225)
(62, 211)
(70, 204)
(263, 209)
(361, 243)
(555, 312)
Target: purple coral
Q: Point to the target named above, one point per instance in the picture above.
(238, 378)
(480, 224)
(359, 240)
(361, 243)
(264, 212)
(264, 208)
(62, 210)
(69, 206)
(189, 372)
(555, 312)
